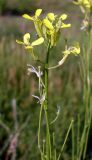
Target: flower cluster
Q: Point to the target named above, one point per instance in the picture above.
(86, 8)
(75, 49)
(48, 29)
(86, 5)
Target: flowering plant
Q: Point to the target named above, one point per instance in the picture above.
(85, 5)
(48, 30)
(86, 8)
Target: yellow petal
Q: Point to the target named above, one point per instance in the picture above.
(26, 39)
(26, 16)
(63, 16)
(75, 49)
(37, 42)
(65, 25)
(48, 24)
(51, 16)
(38, 12)
(19, 42)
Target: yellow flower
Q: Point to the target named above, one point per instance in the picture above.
(63, 16)
(72, 50)
(26, 41)
(86, 5)
(51, 16)
(48, 27)
(30, 46)
(65, 25)
(37, 14)
(36, 20)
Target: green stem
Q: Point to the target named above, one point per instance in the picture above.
(87, 91)
(48, 141)
(73, 144)
(54, 148)
(85, 134)
(66, 137)
(39, 132)
(78, 135)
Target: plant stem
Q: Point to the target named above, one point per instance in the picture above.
(39, 132)
(48, 141)
(86, 130)
(73, 143)
(78, 135)
(87, 92)
(70, 126)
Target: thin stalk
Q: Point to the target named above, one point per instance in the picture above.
(39, 132)
(54, 150)
(43, 149)
(48, 141)
(88, 117)
(60, 63)
(65, 139)
(86, 141)
(82, 142)
(78, 135)
(85, 134)
(73, 146)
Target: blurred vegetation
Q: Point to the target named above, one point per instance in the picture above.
(65, 88)
(18, 7)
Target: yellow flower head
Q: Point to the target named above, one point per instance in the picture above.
(30, 45)
(86, 5)
(37, 14)
(48, 27)
(26, 41)
(75, 49)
